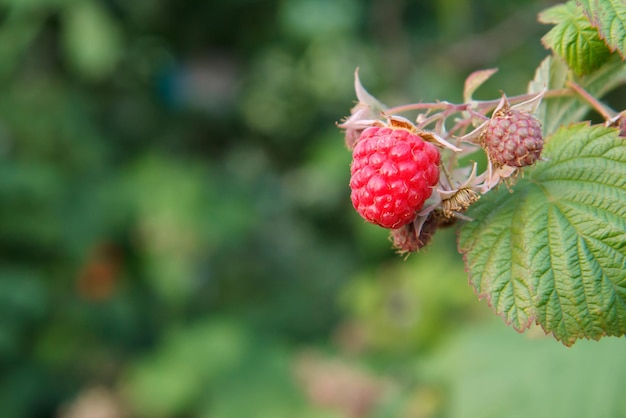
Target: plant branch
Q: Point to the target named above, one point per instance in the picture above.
(483, 106)
(603, 110)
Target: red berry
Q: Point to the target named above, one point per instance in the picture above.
(513, 138)
(393, 173)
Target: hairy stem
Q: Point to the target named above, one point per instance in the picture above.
(603, 110)
(483, 106)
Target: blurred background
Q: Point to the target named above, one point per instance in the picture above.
(176, 234)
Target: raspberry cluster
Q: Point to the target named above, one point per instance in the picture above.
(398, 164)
(393, 174)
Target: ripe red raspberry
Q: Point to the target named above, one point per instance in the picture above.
(512, 138)
(393, 173)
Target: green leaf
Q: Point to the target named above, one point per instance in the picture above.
(555, 14)
(609, 18)
(574, 38)
(92, 40)
(476, 366)
(554, 250)
(185, 365)
(552, 74)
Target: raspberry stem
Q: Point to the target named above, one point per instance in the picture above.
(604, 111)
(478, 105)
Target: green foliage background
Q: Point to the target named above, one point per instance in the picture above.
(176, 234)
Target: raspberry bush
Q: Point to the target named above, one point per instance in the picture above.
(542, 222)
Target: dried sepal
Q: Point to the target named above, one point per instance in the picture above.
(367, 112)
(365, 97)
(448, 190)
(495, 175)
(530, 106)
(459, 202)
(403, 123)
(455, 200)
(400, 122)
(415, 235)
(436, 139)
(618, 121)
(473, 137)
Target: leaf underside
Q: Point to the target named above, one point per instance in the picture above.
(554, 250)
(552, 74)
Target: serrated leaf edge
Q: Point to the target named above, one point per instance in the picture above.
(533, 317)
(593, 21)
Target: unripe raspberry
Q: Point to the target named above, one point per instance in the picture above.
(415, 235)
(393, 173)
(512, 138)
